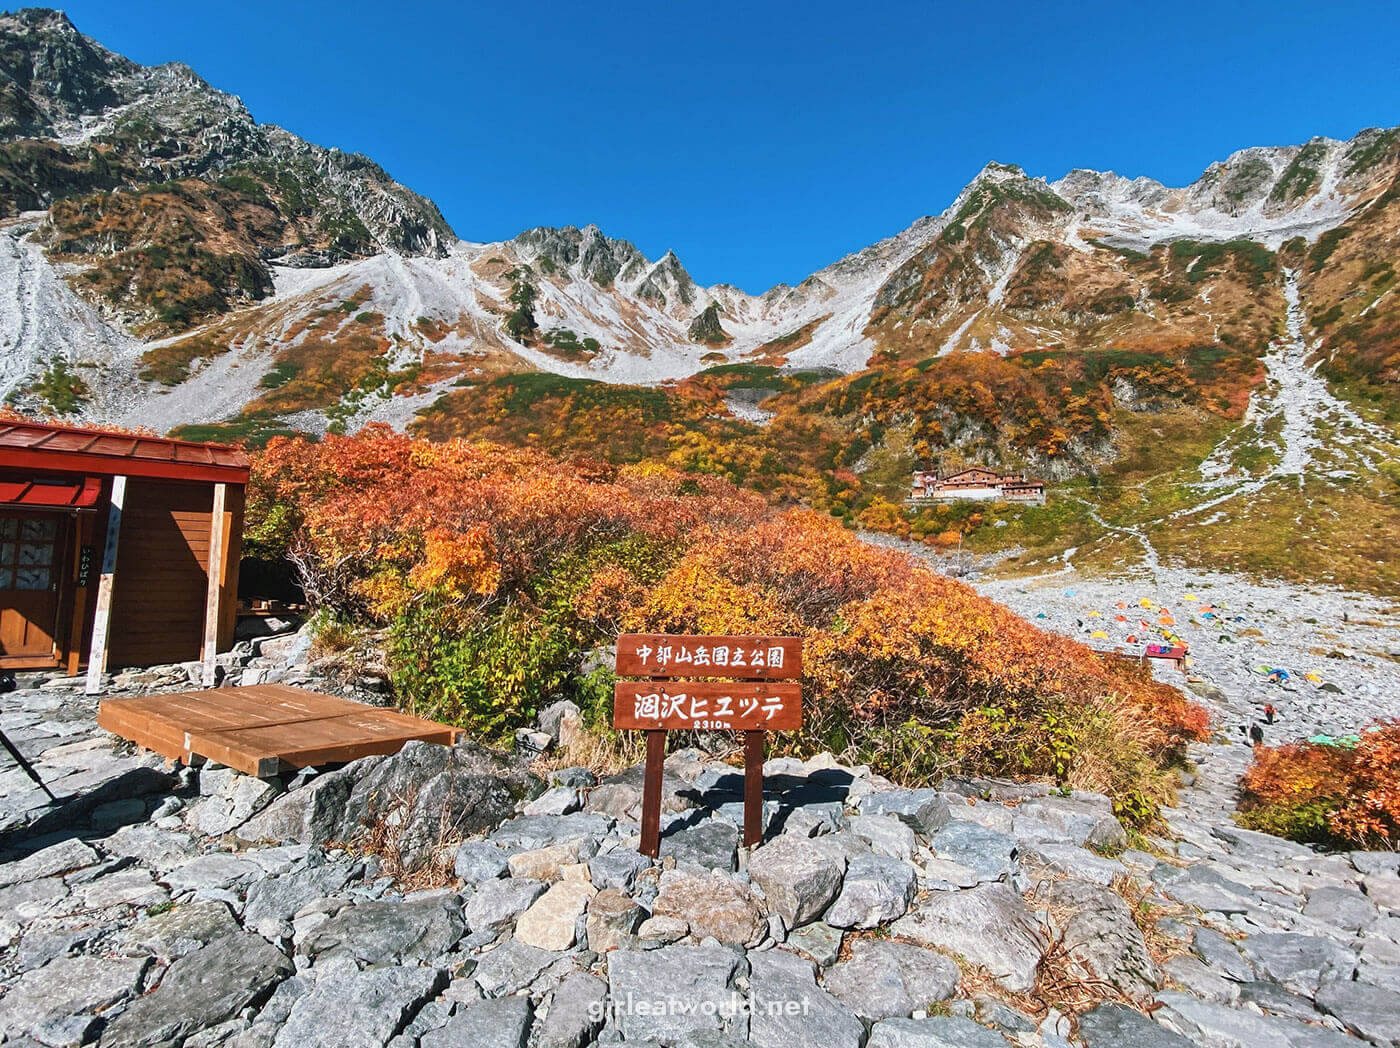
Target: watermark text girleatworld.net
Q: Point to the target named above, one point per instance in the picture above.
(727, 1007)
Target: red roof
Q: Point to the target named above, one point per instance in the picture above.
(80, 494)
(75, 449)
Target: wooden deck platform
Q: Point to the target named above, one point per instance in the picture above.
(260, 729)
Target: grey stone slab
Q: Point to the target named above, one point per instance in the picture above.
(939, 1031)
(790, 1009)
(503, 1023)
(688, 992)
(988, 925)
(358, 1009)
(1118, 1026)
(884, 978)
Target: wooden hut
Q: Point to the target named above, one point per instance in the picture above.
(116, 550)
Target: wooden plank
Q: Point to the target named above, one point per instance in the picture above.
(683, 655)
(215, 562)
(102, 614)
(707, 705)
(259, 728)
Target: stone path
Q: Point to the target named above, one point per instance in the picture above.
(209, 909)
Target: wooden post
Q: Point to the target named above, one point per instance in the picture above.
(216, 582)
(102, 614)
(651, 794)
(83, 529)
(753, 787)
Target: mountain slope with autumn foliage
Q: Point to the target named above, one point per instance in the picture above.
(1200, 370)
(497, 570)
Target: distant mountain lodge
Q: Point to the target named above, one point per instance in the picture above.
(976, 483)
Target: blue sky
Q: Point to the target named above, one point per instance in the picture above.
(762, 141)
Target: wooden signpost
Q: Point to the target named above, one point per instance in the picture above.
(667, 700)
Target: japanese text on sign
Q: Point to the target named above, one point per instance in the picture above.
(767, 658)
(707, 706)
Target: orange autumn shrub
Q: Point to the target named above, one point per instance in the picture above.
(1342, 795)
(498, 570)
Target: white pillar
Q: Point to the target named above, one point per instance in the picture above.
(216, 582)
(102, 613)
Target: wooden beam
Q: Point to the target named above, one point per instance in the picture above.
(753, 788)
(651, 794)
(102, 613)
(216, 581)
(81, 585)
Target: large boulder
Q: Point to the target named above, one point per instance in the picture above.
(790, 1009)
(1087, 819)
(800, 876)
(202, 989)
(938, 1031)
(884, 978)
(988, 926)
(1367, 1011)
(687, 993)
(876, 890)
(1116, 1026)
(502, 1023)
(924, 811)
(498, 903)
(1101, 937)
(712, 904)
(427, 793)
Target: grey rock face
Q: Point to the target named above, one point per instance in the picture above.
(691, 986)
(63, 857)
(389, 932)
(819, 941)
(612, 918)
(511, 966)
(464, 788)
(884, 979)
(358, 1009)
(1221, 955)
(886, 835)
(203, 988)
(503, 1023)
(279, 898)
(799, 876)
(924, 811)
(877, 889)
(560, 800)
(498, 902)
(180, 930)
(1087, 819)
(538, 831)
(617, 868)
(790, 1009)
(940, 1031)
(1367, 1011)
(711, 844)
(1117, 1026)
(69, 986)
(1298, 962)
(1101, 936)
(480, 861)
(574, 1015)
(1344, 908)
(988, 853)
(988, 925)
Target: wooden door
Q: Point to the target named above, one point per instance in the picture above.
(30, 576)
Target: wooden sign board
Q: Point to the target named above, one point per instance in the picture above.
(744, 658)
(707, 706)
(755, 706)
